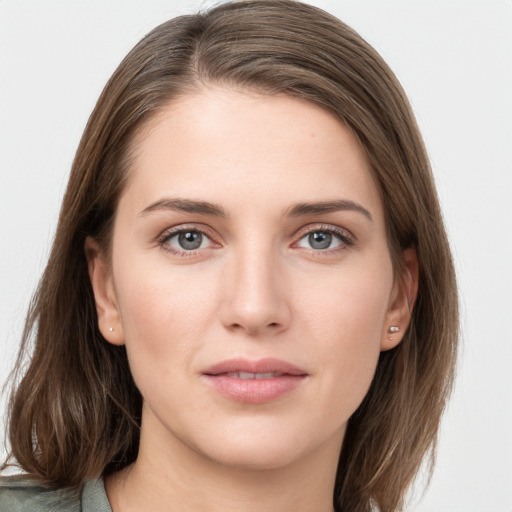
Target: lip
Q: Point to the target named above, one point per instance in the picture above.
(267, 365)
(254, 391)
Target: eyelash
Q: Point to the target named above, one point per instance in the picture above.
(343, 235)
(167, 235)
(346, 238)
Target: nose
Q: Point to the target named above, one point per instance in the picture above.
(255, 295)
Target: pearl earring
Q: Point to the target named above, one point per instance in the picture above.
(394, 328)
(110, 329)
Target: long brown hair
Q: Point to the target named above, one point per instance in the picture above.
(75, 412)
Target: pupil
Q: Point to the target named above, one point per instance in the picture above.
(320, 240)
(190, 240)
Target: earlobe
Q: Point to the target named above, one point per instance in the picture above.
(100, 275)
(402, 300)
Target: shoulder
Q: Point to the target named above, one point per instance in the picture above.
(20, 494)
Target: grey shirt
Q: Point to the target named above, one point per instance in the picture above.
(19, 494)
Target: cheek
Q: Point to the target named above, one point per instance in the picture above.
(165, 314)
(350, 304)
(345, 316)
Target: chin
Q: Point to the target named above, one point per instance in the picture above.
(263, 448)
(256, 457)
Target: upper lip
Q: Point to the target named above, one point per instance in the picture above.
(267, 365)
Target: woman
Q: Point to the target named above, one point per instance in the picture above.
(250, 292)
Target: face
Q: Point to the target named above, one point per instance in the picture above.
(250, 278)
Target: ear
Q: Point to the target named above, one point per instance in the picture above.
(403, 295)
(109, 318)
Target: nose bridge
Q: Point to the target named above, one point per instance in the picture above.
(254, 294)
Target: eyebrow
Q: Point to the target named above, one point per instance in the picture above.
(298, 210)
(185, 205)
(327, 207)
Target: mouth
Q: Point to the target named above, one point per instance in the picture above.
(250, 375)
(254, 382)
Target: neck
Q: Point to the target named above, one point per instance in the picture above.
(175, 477)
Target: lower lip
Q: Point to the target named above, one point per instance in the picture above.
(254, 391)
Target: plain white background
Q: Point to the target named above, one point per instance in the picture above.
(453, 58)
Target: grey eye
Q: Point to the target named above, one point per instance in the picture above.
(321, 240)
(187, 240)
(190, 240)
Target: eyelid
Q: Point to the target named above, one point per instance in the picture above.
(174, 230)
(345, 235)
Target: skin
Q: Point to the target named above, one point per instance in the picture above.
(255, 288)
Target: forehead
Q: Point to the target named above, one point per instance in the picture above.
(222, 145)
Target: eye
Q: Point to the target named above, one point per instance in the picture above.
(325, 239)
(185, 241)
